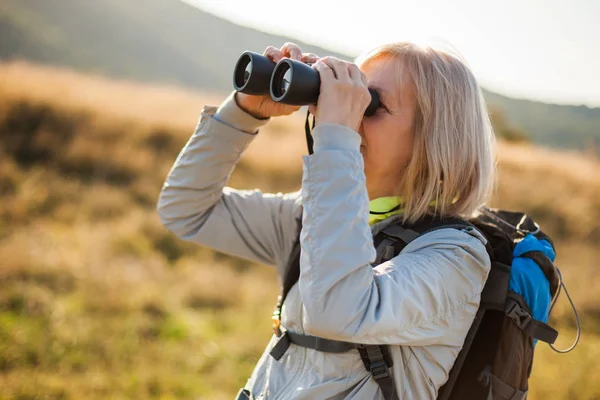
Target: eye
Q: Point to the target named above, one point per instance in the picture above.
(381, 108)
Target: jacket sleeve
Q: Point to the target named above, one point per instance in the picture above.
(196, 206)
(428, 294)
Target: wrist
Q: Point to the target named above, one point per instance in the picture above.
(242, 104)
(231, 114)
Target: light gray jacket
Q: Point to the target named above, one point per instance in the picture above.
(421, 302)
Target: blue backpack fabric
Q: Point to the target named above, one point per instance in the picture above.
(528, 279)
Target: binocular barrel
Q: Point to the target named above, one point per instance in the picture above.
(289, 81)
(251, 72)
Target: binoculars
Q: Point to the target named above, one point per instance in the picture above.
(289, 81)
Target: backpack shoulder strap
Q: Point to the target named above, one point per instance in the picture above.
(292, 268)
(378, 361)
(395, 237)
(291, 274)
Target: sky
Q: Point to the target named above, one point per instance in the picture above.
(547, 50)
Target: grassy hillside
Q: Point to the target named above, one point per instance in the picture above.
(168, 41)
(159, 41)
(98, 301)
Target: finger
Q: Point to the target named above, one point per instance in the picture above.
(356, 74)
(273, 53)
(339, 67)
(364, 79)
(292, 51)
(309, 58)
(325, 72)
(291, 109)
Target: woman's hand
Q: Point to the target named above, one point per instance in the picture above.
(264, 106)
(344, 95)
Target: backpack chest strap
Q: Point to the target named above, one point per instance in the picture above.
(376, 359)
(310, 342)
(517, 311)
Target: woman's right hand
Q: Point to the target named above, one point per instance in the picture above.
(264, 106)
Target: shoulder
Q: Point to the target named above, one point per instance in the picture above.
(469, 239)
(437, 282)
(458, 257)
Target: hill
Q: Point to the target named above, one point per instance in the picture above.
(163, 41)
(553, 125)
(98, 300)
(170, 41)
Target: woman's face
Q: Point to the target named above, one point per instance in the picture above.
(387, 136)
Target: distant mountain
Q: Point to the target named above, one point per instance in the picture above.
(552, 124)
(170, 41)
(160, 40)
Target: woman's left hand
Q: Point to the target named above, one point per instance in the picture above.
(344, 95)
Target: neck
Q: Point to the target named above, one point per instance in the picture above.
(377, 191)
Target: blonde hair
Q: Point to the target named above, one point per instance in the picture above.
(452, 161)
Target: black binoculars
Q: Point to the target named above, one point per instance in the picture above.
(289, 81)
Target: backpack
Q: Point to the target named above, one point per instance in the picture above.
(497, 356)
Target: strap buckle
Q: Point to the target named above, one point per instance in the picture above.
(281, 346)
(519, 315)
(379, 370)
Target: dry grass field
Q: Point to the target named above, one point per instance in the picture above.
(99, 301)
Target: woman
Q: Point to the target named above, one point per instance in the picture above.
(426, 150)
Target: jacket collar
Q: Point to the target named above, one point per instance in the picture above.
(383, 208)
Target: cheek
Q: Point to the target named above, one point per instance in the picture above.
(386, 141)
(404, 148)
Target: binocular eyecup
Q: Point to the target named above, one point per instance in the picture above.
(289, 81)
